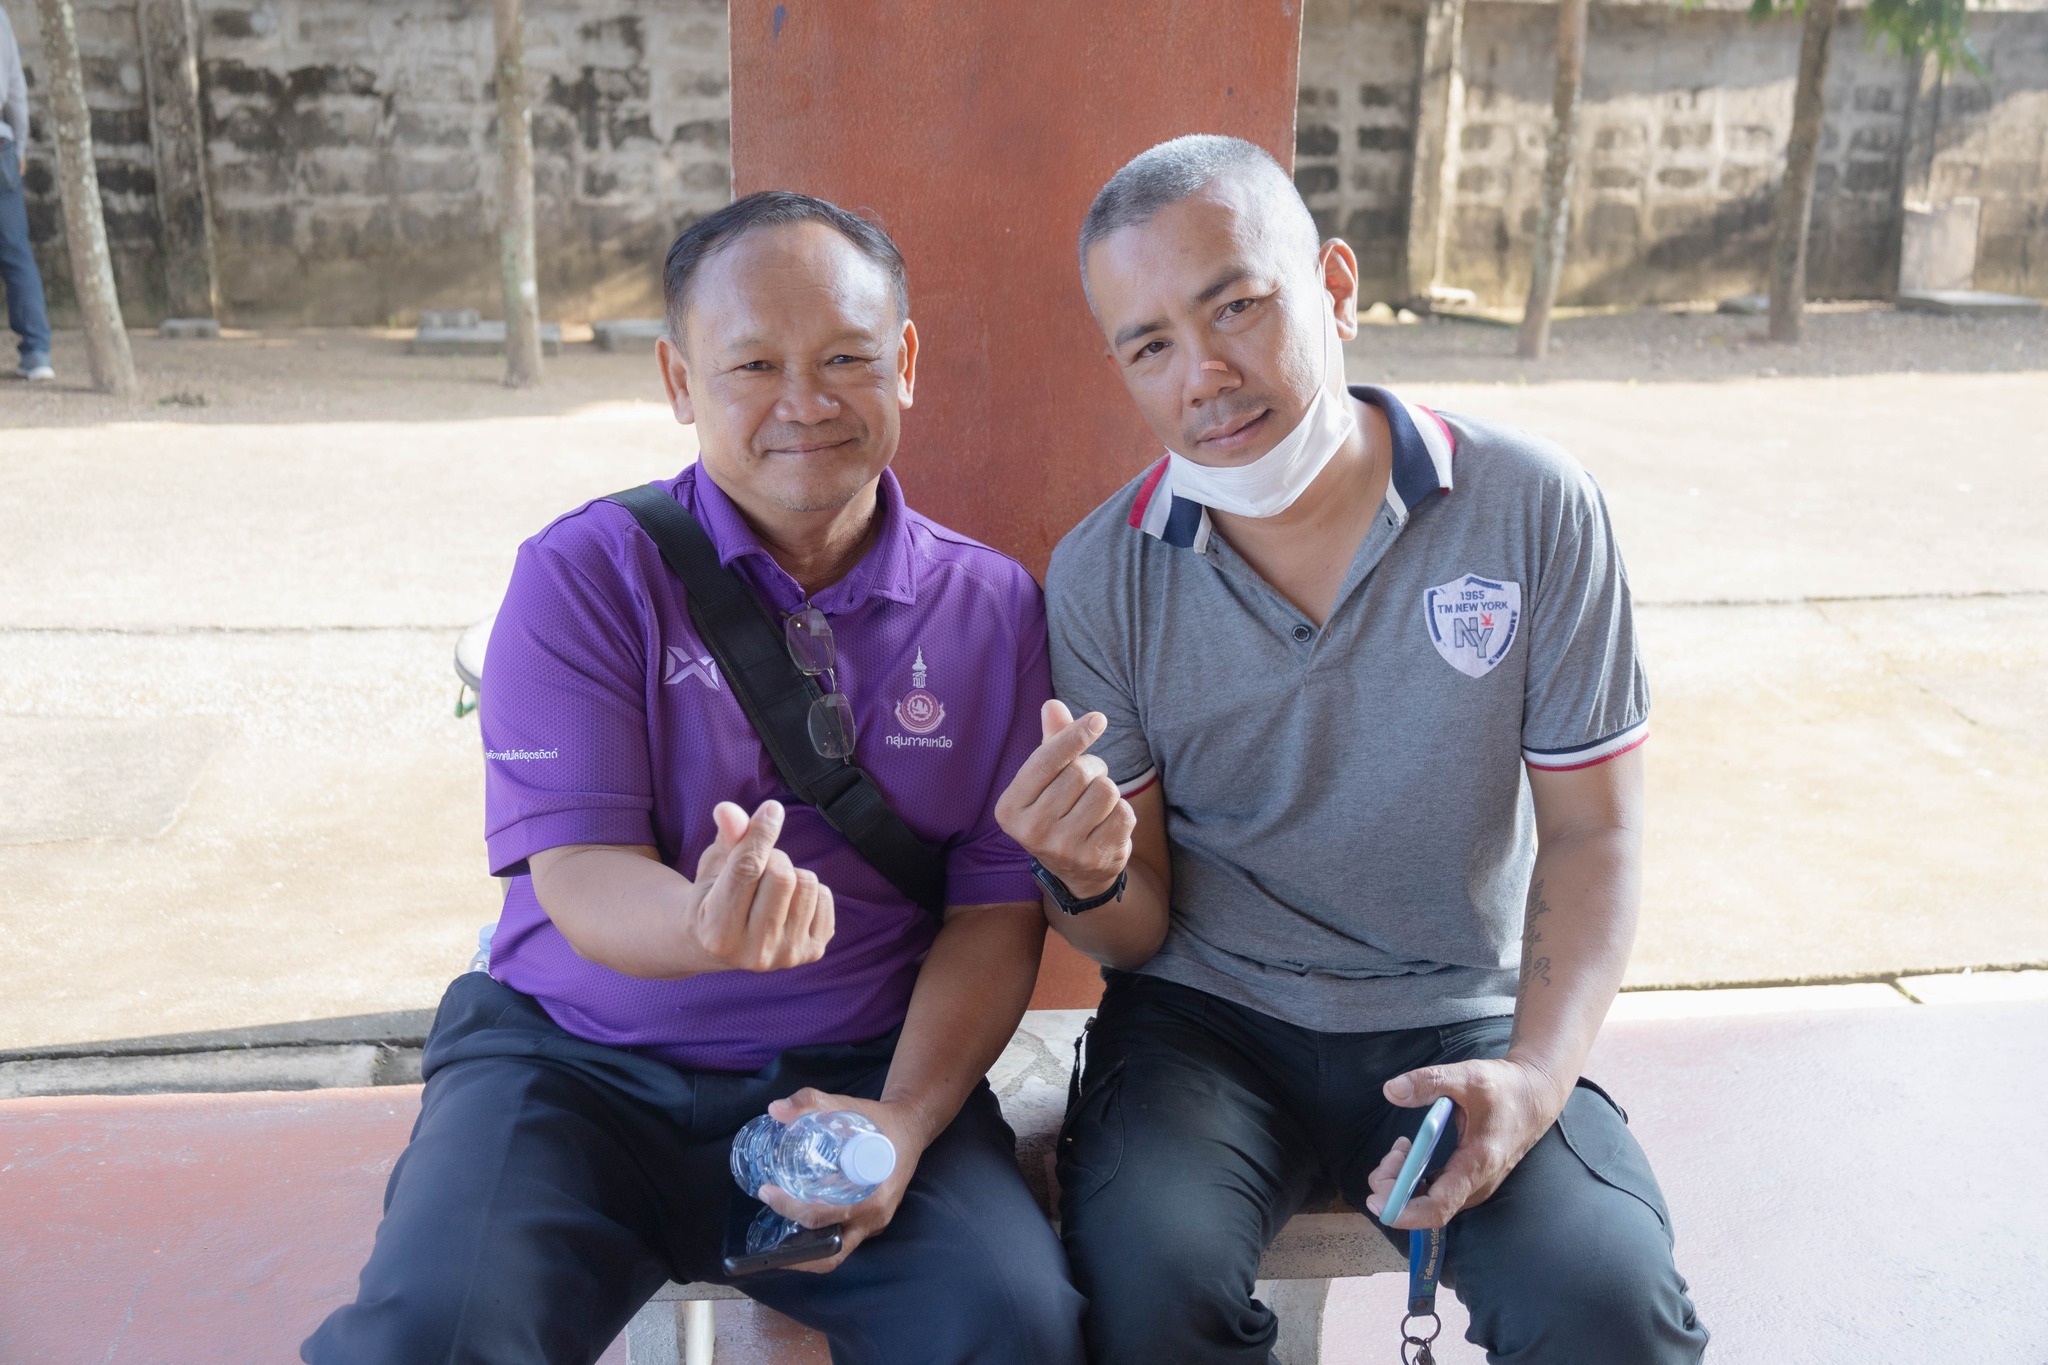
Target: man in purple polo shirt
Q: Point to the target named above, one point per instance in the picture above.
(668, 965)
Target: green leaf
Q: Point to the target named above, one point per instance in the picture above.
(1906, 27)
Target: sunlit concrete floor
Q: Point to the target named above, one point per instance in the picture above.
(235, 791)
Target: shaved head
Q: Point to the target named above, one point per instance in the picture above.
(1222, 311)
(1173, 171)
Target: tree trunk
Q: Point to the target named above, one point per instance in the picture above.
(177, 134)
(1439, 105)
(85, 226)
(1554, 220)
(515, 199)
(1802, 156)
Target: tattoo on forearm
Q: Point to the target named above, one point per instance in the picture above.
(1535, 965)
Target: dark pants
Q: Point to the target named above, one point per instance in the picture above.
(552, 1185)
(1202, 1126)
(26, 314)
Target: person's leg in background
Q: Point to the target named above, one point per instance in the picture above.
(1571, 1258)
(27, 315)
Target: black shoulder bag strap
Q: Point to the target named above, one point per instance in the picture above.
(754, 661)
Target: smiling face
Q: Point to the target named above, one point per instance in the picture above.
(1216, 310)
(795, 367)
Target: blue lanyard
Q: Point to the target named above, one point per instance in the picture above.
(1425, 1266)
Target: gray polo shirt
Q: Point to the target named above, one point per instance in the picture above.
(1349, 819)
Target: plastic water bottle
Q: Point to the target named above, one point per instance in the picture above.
(482, 961)
(835, 1158)
(769, 1230)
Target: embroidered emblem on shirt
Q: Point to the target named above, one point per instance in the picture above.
(919, 712)
(681, 665)
(1472, 622)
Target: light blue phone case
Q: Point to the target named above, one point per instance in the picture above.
(1433, 1124)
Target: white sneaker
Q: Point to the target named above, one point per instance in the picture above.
(38, 373)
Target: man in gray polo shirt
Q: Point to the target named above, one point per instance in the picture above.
(1344, 662)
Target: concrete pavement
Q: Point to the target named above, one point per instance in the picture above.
(235, 793)
(235, 789)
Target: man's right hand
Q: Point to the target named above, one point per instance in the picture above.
(751, 909)
(1063, 808)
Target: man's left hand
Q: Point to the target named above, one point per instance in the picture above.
(1502, 1107)
(863, 1220)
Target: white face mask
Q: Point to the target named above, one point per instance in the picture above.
(1270, 484)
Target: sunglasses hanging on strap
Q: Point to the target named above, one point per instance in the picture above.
(783, 701)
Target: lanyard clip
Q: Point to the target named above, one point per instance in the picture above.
(1425, 1267)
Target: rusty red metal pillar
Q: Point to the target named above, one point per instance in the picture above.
(977, 133)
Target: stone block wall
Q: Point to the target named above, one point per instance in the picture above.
(352, 152)
(1354, 129)
(1684, 116)
(1990, 139)
(351, 149)
(110, 55)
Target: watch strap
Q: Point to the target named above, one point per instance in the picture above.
(1066, 900)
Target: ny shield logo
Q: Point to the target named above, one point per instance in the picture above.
(1471, 634)
(1472, 622)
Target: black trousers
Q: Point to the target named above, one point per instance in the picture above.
(552, 1185)
(1202, 1126)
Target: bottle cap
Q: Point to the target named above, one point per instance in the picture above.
(868, 1158)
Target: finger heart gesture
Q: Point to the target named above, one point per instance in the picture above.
(752, 910)
(1063, 808)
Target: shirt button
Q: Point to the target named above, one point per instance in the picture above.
(1302, 633)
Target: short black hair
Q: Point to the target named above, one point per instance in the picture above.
(770, 208)
(1176, 169)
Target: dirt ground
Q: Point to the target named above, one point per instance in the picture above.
(318, 375)
(233, 790)
(345, 375)
(358, 374)
(1692, 342)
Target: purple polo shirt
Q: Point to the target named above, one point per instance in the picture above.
(605, 721)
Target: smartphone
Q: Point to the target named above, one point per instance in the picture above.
(768, 1241)
(1433, 1124)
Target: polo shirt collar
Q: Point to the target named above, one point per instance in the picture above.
(887, 570)
(1423, 451)
(1423, 448)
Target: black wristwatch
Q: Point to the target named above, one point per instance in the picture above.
(1066, 900)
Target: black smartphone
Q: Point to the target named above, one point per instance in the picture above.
(759, 1238)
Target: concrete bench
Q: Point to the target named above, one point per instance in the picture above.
(145, 1228)
(1030, 1079)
